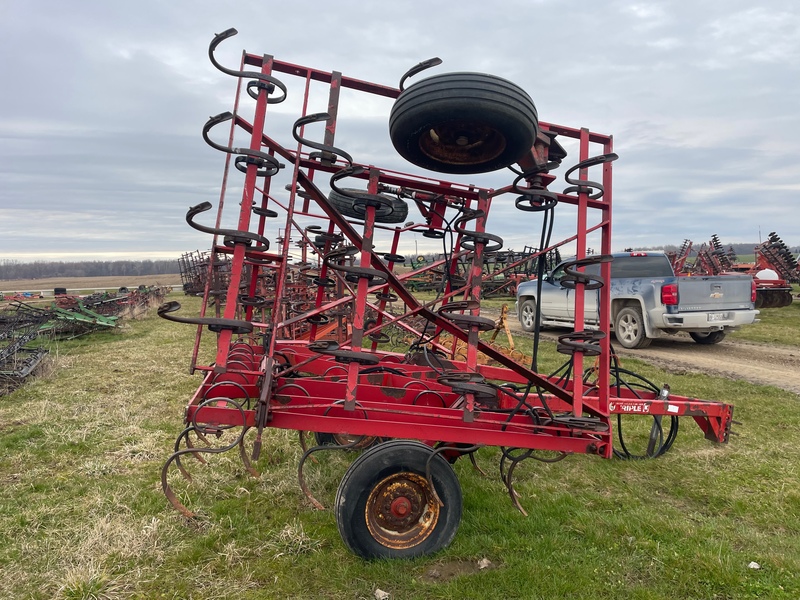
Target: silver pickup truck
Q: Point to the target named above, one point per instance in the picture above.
(647, 301)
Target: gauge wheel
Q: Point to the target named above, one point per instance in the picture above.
(353, 203)
(629, 328)
(386, 508)
(463, 123)
(527, 315)
(706, 339)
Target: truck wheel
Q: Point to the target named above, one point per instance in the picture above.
(712, 337)
(629, 328)
(386, 508)
(527, 315)
(463, 123)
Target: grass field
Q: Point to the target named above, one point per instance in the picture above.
(82, 515)
(776, 326)
(88, 284)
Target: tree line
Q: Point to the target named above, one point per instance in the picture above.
(13, 269)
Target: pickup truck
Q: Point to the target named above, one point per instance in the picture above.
(647, 301)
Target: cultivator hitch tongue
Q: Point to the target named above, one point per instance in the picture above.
(324, 333)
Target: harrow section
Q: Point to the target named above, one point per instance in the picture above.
(22, 323)
(307, 331)
(774, 270)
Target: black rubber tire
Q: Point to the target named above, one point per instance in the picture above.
(706, 339)
(463, 123)
(629, 328)
(391, 210)
(527, 314)
(397, 467)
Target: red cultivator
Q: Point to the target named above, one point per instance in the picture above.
(307, 332)
(774, 270)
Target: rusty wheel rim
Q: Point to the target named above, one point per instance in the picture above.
(354, 442)
(401, 511)
(462, 143)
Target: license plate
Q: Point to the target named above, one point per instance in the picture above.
(719, 316)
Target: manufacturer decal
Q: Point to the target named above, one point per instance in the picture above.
(629, 407)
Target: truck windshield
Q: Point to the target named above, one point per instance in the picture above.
(653, 266)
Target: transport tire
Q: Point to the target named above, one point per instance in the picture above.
(629, 328)
(463, 123)
(527, 314)
(706, 339)
(389, 209)
(385, 507)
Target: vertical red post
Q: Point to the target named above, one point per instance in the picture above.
(360, 301)
(580, 252)
(605, 291)
(245, 211)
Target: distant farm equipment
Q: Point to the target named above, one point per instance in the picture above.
(501, 273)
(197, 267)
(24, 323)
(774, 270)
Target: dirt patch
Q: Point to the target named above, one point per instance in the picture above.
(9, 427)
(455, 568)
(747, 361)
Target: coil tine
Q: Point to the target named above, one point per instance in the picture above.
(301, 477)
(245, 458)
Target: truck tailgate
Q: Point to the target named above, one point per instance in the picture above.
(723, 292)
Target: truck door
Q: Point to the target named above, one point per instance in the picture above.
(591, 299)
(555, 300)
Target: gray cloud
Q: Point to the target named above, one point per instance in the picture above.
(103, 103)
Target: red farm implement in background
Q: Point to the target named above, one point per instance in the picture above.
(307, 330)
(774, 270)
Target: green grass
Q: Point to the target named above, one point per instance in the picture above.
(82, 514)
(776, 326)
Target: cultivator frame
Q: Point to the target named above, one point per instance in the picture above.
(297, 343)
(18, 328)
(195, 269)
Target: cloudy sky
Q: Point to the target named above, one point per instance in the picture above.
(102, 105)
